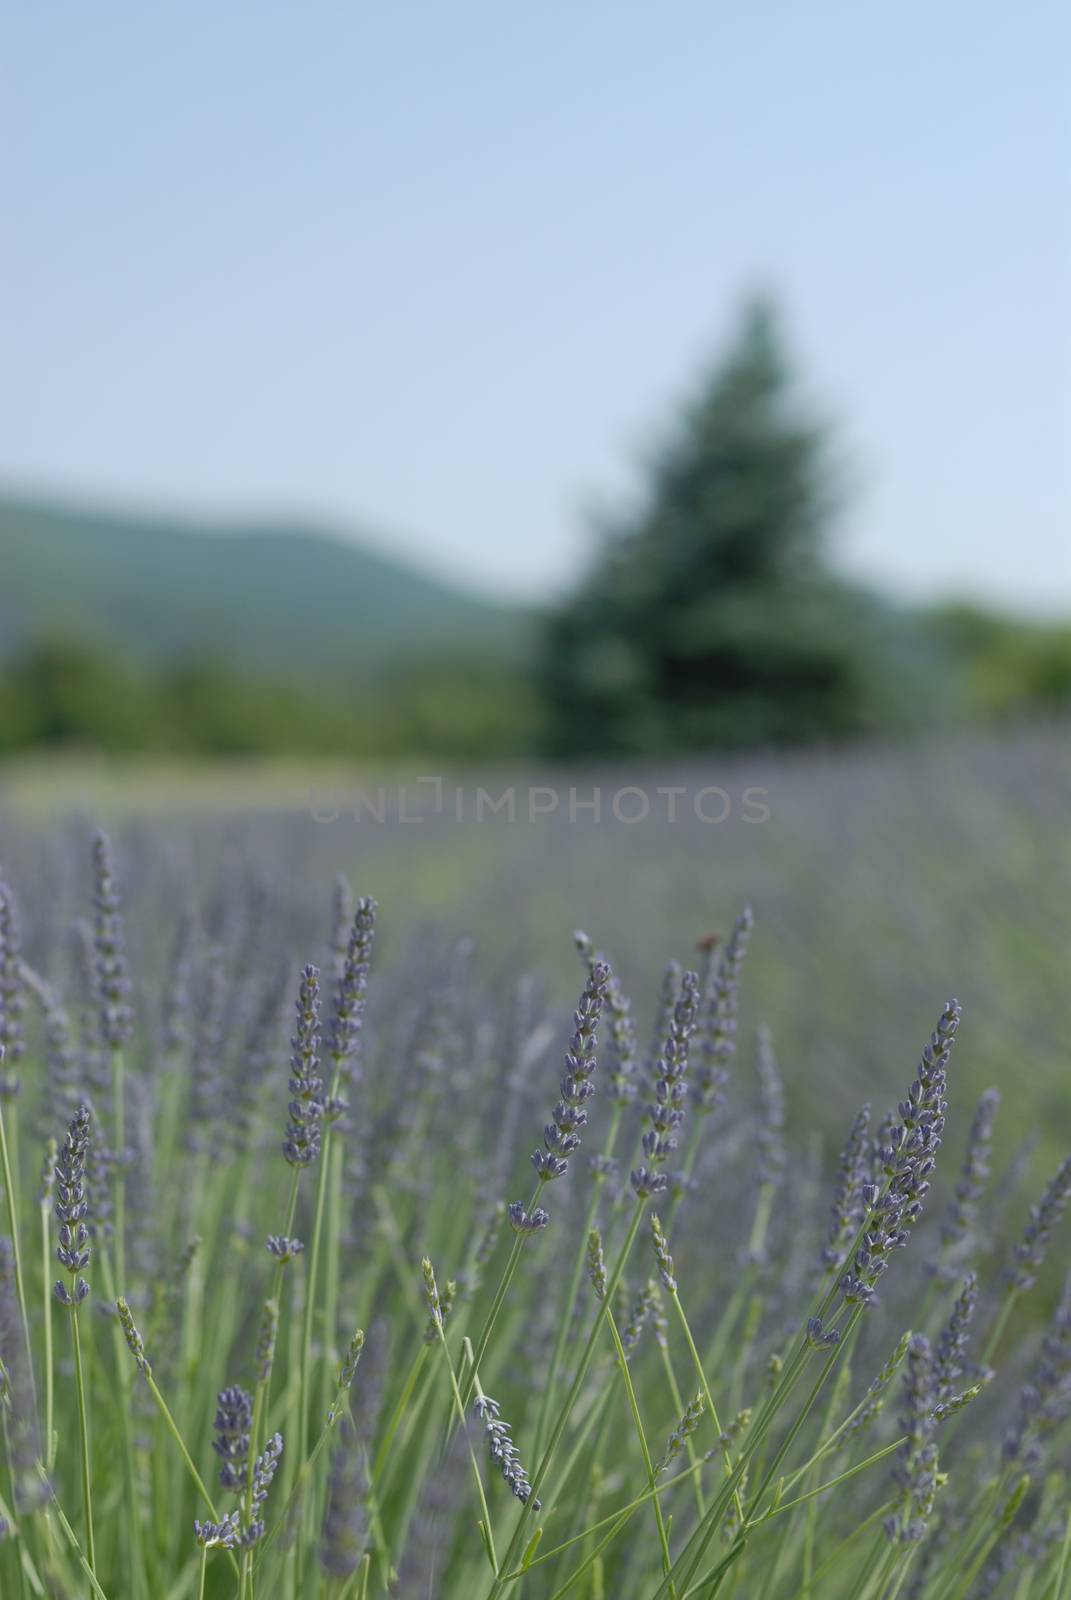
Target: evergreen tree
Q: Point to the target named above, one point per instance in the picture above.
(711, 618)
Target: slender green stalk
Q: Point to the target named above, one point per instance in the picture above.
(8, 1512)
(707, 1396)
(565, 1320)
(119, 1119)
(626, 1378)
(860, 1466)
(571, 1398)
(1007, 1306)
(72, 1539)
(172, 1428)
(678, 1407)
(384, 1446)
(459, 1409)
(83, 1423)
(1063, 1571)
(46, 1296)
(618, 1517)
(12, 1216)
(204, 1570)
(504, 1282)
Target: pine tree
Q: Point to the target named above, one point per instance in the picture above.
(711, 618)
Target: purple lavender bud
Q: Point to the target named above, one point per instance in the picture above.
(1030, 1252)
(906, 1161)
(964, 1208)
(72, 1208)
(263, 1473)
(502, 1450)
(665, 1112)
(345, 1031)
(1045, 1399)
(302, 1143)
(717, 1029)
(951, 1354)
(113, 985)
(522, 1221)
(849, 1196)
(12, 996)
(282, 1248)
(620, 1047)
(222, 1535)
(916, 1461)
(560, 1137)
(234, 1419)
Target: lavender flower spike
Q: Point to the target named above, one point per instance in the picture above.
(302, 1143)
(503, 1450)
(113, 985)
(72, 1209)
(916, 1461)
(561, 1137)
(1030, 1252)
(12, 996)
(620, 1046)
(847, 1209)
(907, 1162)
(346, 1024)
(234, 1419)
(964, 1208)
(718, 1027)
(665, 1113)
(263, 1473)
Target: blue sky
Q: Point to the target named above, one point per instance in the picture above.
(442, 271)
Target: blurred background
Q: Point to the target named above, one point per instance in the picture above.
(389, 384)
(615, 396)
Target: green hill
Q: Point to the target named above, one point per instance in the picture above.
(263, 597)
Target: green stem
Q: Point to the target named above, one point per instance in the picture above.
(566, 1320)
(119, 1118)
(46, 1291)
(83, 1421)
(500, 1295)
(1007, 1306)
(678, 1406)
(787, 1505)
(73, 1540)
(383, 1450)
(626, 1378)
(172, 1428)
(834, 1559)
(1065, 1560)
(314, 1265)
(204, 1569)
(13, 1224)
(571, 1397)
(707, 1396)
(459, 1408)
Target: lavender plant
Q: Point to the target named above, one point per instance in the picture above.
(791, 1406)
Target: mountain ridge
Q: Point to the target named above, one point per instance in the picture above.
(262, 594)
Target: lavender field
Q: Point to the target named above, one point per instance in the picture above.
(273, 1080)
